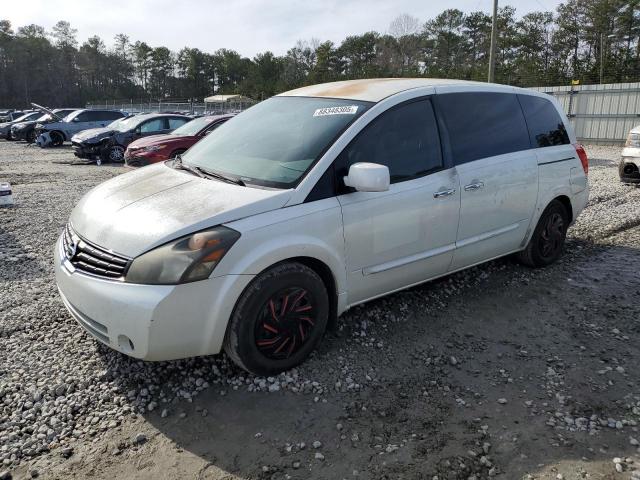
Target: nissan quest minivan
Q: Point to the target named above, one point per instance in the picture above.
(312, 202)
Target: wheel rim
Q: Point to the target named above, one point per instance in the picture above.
(285, 323)
(116, 154)
(552, 235)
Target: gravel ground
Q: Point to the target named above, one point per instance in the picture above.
(498, 371)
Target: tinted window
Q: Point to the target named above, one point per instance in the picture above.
(483, 124)
(546, 128)
(86, 117)
(405, 139)
(112, 115)
(154, 125)
(177, 122)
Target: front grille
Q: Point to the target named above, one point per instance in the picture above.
(92, 259)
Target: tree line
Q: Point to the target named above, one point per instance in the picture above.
(588, 40)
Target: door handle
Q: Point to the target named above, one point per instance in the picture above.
(444, 193)
(473, 186)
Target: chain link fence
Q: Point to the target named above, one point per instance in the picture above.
(186, 107)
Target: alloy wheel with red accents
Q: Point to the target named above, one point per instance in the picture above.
(278, 320)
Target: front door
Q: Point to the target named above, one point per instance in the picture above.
(407, 234)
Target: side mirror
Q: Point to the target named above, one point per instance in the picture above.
(368, 177)
(138, 131)
(75, 119)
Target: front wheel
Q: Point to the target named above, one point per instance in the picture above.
(278, 320)
(113, 154)
(545, 245)
(56, 139)
(31, 136)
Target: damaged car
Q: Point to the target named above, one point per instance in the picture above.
(56, 133)
(629, 167)
(109, 144)
(5, 127)
(27, 130)
(159, 148)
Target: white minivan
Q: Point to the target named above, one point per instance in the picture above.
(312, 202)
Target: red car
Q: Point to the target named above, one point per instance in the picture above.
(159, 148)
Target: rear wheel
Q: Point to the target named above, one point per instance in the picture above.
(545, 245)
(278, 320)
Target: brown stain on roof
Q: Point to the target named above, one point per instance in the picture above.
(351, 88)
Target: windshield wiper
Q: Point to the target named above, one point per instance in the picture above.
(204, 173)
(179, 164)
(220, 176)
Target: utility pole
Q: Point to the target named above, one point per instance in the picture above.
(601, 58)
(494, 37)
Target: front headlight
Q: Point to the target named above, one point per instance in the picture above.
(153, 148)
(186, 259)
(633, 140)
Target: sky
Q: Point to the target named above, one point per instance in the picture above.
(247, 26)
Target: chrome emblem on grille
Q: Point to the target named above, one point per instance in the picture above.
(72, 248)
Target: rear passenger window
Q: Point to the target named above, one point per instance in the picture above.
(483, 124)
(405, 139)
(546, 127)
(176, 122)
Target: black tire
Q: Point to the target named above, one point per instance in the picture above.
(30, 137)
(545, 245)
(112, 154)
(292, 333)
(57, 139)
(175, 153)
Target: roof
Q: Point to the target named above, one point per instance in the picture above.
(371, 90)
(227, 98)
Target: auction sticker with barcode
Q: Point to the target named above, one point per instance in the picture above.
(344, 110)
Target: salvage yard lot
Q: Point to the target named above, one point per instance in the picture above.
(499, 371)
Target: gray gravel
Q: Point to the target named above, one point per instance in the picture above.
(59, 388)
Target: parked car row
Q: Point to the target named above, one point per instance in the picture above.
(108, 144)
(5, 127)
(104, 135)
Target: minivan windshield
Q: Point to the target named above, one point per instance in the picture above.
(276, 141)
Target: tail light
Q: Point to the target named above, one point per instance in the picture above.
(583, 157)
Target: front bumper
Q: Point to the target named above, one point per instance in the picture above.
(150, 322)
(84, 150)
(629, 169)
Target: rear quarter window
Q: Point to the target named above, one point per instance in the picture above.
(483, 124)
(546, 127)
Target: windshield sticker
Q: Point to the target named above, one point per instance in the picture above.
(345, 110)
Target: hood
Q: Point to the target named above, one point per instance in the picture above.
(21, 125)
(140, 210)
(46, 110)
(155, 140)
(93, 135)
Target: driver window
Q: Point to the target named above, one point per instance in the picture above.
(404, 138)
